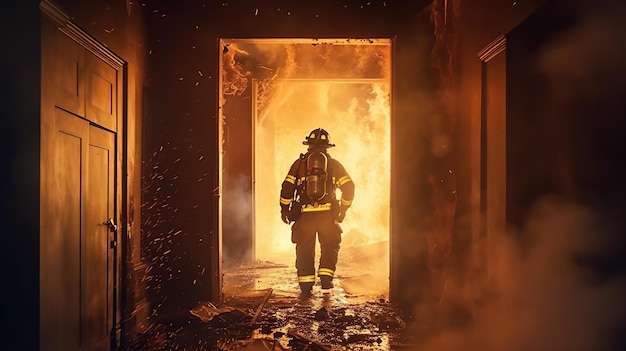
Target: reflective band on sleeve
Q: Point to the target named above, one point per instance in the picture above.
(284, 201)
(290, 179)
(343, 180)
(346, 202)
(306, 278)
(325, 271)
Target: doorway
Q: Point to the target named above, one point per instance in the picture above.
(273, 93)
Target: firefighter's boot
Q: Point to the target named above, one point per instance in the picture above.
(306, 289)
(327, 282)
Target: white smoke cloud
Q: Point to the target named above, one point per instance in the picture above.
(559, 283)
(562, 290)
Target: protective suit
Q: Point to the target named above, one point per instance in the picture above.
(308, 198)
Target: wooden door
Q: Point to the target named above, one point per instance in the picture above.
(83, 238)
(80, 185)
(97, 241)
(61, 227)
(101, 82)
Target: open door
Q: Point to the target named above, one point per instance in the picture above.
(273, 93)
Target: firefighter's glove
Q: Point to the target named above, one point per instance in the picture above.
(342, 214)
(285, 217)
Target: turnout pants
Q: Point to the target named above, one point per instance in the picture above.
(303, 234)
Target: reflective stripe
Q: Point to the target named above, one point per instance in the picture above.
(306, 278)
(346, 202)
(325, 271)
(320, 207)
(343, 180)
(290, 179)
(284, 201)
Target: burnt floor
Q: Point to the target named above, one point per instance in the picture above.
(262, 310)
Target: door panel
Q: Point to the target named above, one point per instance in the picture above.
(101, 92)
(61, 235)
(70, 87)
(97, 255)
(77, 247)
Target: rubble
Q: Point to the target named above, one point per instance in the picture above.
(260, 317)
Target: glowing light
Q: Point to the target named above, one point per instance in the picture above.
(342, 85)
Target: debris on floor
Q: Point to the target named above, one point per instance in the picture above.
(262, 311)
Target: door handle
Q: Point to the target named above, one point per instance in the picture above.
(111, 224)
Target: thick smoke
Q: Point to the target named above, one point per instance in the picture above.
(558, 283)
(559, 292)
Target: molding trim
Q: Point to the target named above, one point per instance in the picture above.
(53, 12)
(64, 23)
(497, 46)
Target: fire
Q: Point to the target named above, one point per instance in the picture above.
(361, 130)
(342, 86)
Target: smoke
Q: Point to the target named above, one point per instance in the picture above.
(585, 70)
(562, 290)
(237, 212)
(587, 62)
(559, 282)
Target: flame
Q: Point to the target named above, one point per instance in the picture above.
(359, 127)
(342, 86)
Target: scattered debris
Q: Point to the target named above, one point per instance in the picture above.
(206, 311)
(258, 311)
(261, 311)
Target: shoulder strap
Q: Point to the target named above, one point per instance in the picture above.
(299, 171)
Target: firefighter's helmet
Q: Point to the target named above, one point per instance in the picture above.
(318, 137)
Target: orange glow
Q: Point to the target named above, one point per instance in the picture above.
(343, 87)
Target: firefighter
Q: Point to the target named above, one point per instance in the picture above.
(308, 198)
